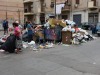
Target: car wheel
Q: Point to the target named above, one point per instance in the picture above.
(98, 35)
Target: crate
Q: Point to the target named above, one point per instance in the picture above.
(66, 37)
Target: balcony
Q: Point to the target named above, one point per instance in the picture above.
(28, 12)
(27, 1)
(92, 5)
(66, 8)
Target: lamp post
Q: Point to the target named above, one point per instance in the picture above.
(6, 9)
(6, 14)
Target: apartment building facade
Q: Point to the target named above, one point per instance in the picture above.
(77, 10)
(38, 10)
(80, 10)
(85, 11)
(11, 10)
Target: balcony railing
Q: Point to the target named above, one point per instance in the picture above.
(66, 8)
(27, 1)
(28, 12)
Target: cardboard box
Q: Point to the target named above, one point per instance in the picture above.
(66, 37)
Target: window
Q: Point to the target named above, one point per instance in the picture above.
(77, 1)
(52, 0)
(94, 2)
(66, 2)
(52, 5)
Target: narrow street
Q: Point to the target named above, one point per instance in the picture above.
(81, 59)
(48, 27)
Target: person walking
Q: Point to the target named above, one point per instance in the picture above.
(5, 26)
(30, 31)
(93, 28)
(25, 25)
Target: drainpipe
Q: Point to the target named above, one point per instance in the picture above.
(55, 7)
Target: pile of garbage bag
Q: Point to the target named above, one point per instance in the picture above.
(79, 35)
(8, 43)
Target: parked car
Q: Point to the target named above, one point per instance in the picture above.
(98, 28)
(86, 25)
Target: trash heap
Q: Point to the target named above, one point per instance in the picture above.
(71, 33)
(77, 35)
(3, 39)
(35, 47)
(56, 31)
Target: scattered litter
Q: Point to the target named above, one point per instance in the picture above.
(35, 49)
(66, 45)
(25, 46)
(94, 38)
(2, 50)
(31, 43)
(51, 45)
(41, 47)
(94, 63)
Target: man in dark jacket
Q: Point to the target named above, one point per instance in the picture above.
(5, 26)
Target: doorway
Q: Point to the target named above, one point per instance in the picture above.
(77, 19)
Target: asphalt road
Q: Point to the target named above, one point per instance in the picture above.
(81, 59)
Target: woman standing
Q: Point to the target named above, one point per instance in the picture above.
(17, 33)
(30, 31)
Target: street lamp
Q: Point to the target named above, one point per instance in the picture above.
(6, 9)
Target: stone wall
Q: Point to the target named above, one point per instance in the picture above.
(12, 9)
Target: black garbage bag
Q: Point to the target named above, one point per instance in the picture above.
(10, 44)
(1, 43)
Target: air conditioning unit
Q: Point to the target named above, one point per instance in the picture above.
(76, 5)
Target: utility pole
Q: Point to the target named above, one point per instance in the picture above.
(6, 9)
(55, 7)
(6, 14)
